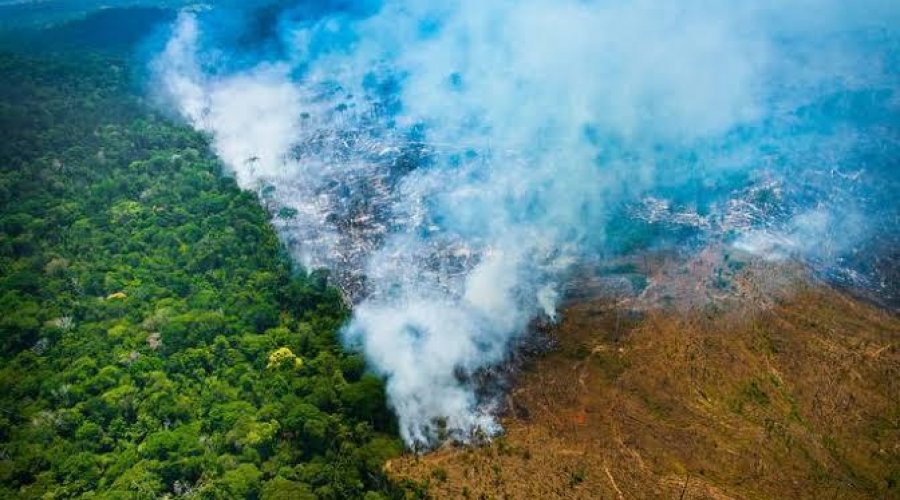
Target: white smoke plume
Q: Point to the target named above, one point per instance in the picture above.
(449, 161)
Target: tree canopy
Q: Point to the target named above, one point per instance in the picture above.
(155, 338)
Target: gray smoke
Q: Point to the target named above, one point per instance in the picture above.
(449, 161)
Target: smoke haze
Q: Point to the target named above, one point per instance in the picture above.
(450, 161)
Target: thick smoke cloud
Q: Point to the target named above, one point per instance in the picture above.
(450, 161)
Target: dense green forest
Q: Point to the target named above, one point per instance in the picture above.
(156, 340)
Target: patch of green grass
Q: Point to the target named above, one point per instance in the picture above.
(751, 393)
(577, 475)
(439, 474)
